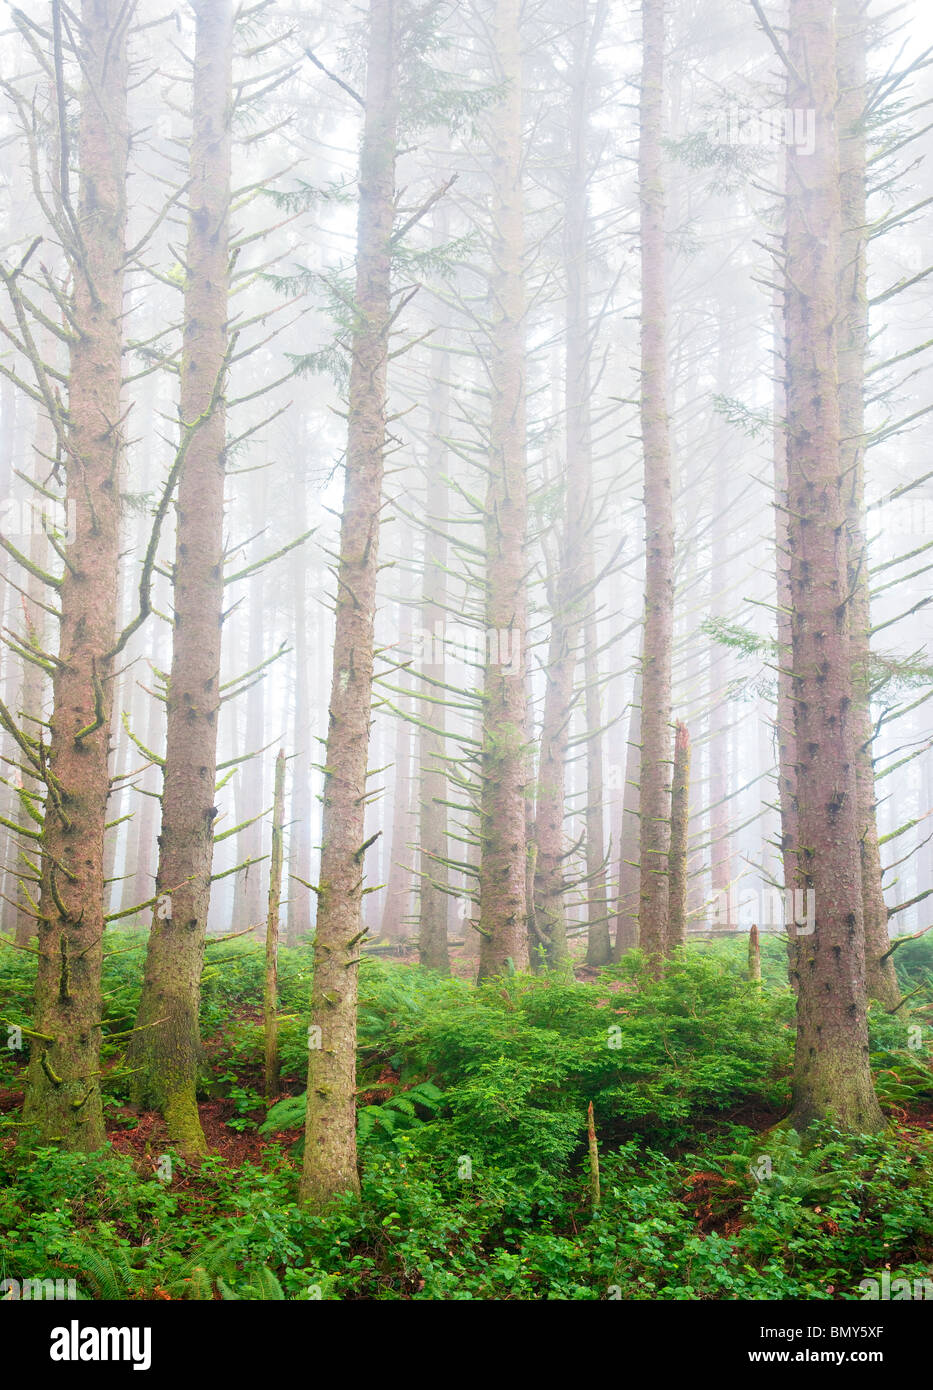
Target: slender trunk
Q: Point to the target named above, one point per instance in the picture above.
(550, 916)
(166, 1053)
(299, 859)
(435, 878)
(31, 700)
(831, 1075)
(247, 894)
(629, 877)
(330, 1131)
(396, 911)
(852, 350)
(677, 854)
(270, 996)
(504, 762)
(598, 943)
(655, 778)
(63, 1092)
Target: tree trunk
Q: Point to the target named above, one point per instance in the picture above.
(629, 877)
(396, 910)
(330, 1130)
(655, 800)
(677, 854)
(270, 996)
(63, 1091)
(167, 1051)
(435, 877)
(299, 859)
(504, 762)
(831, 1075)
(852, 349)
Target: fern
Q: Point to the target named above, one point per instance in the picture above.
(397, 1111)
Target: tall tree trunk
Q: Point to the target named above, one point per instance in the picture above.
(31, 701)
(166, 1052)
(504, 762)
(396, 910)
(852, 349)
(270, 997)
(831, 1074)
(598, 943)
(784, 720)
(435, 878)
(330, 1131)
(629, 877)
(299, 859)
(251, 788)
(677, 854)
(659, 525)
(63, 1092)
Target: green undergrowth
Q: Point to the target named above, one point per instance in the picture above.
(474, 1170)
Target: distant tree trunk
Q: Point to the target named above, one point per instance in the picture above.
(270, 997)
(299, 859)
(550, 862)
(629, 878)
(754, 955)
(852, 350)
(31, 702)
(398, 878)
(504, 763)
(166, 1053)
(784, 723)
(719, 740)
(250, 801)
(63, 1091)
(655, 777)
(435, 878)
(831, 1074)
(677, 854)
(598, 943)
(143, 880)
(330, 1131)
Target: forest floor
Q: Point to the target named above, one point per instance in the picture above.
(471, 1117)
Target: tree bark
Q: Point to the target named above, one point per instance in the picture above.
(166, 1053)
(270, 997)
(852, 350)
(677, 854)
(330, 1131)
(63, 1090)
(655, 800)
(504, 762)
(433, 950)
(626, 936)
(831, 1074)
